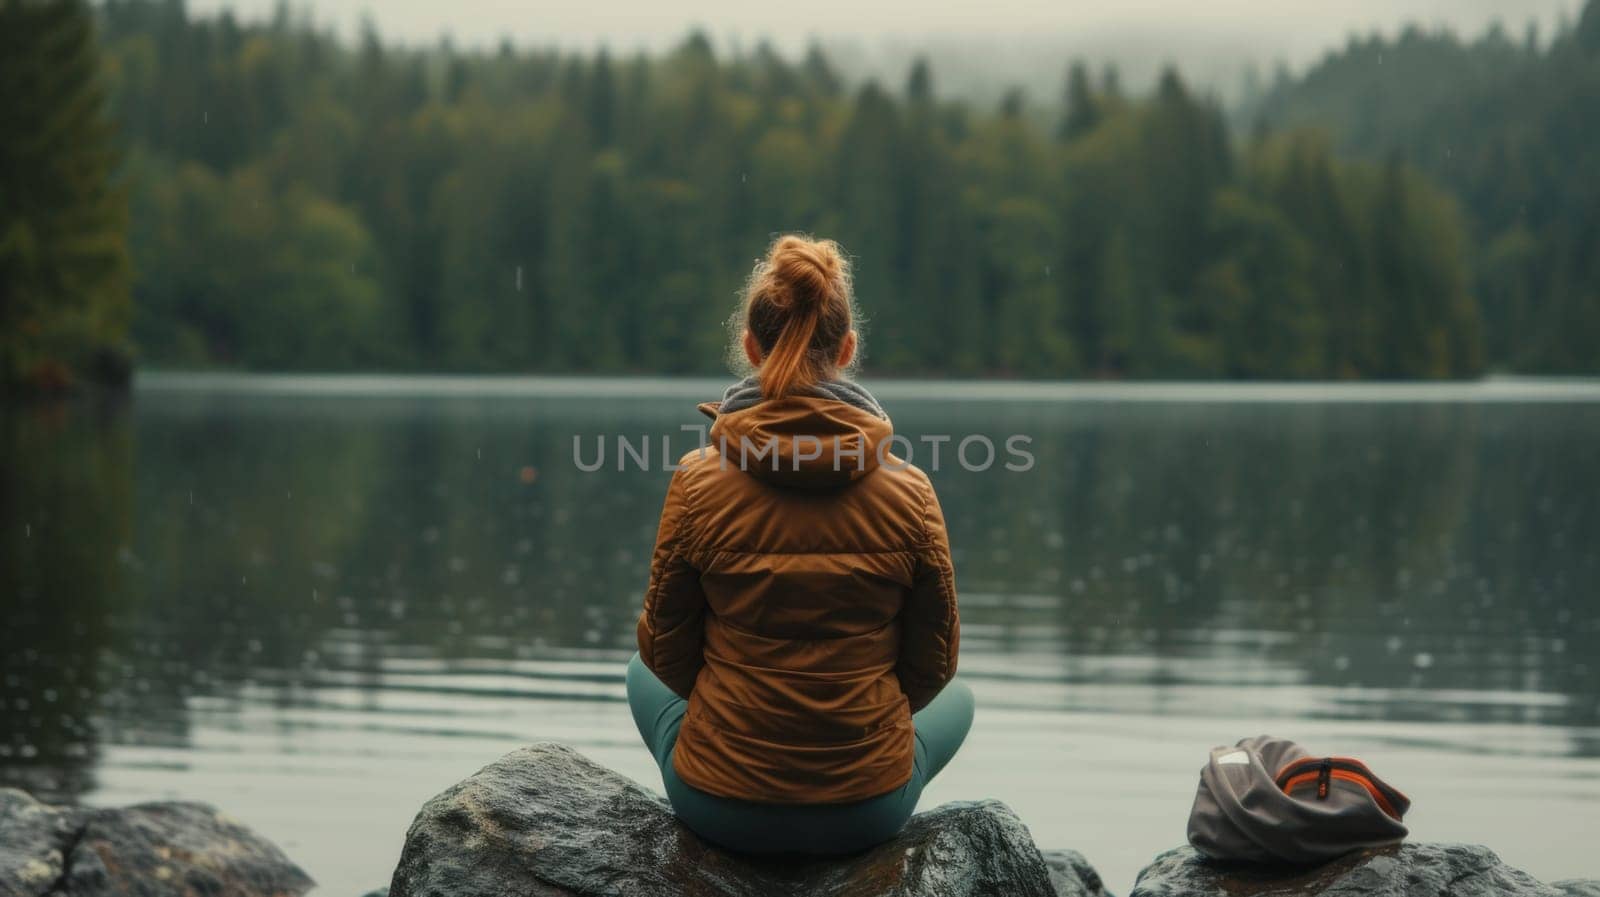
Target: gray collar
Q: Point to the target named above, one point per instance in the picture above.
(747, 393)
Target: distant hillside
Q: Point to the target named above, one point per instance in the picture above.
(1512, 127)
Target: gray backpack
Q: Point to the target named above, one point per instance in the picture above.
(1268, 800)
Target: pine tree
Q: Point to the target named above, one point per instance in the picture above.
(64, 271)
(1588, 32)
(602, 101)
(1402, 323)
(819, 72)
(1082, 107)
(919, 84)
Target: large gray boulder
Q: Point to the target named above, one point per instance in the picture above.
(34, 841)
(148, 850)
(546, 822)
(1407, 870)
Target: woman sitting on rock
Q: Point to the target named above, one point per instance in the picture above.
(797, 649)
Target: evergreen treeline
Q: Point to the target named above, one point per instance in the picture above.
(1512, 127)
(301, 204)
(64, 274)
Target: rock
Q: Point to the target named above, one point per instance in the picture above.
(149, 850)
(1406, 870)
(546, 822)
(1578, 887)
(1072, 876)
(34, 841)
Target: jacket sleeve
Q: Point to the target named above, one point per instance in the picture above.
(671, 629)
(930, 634)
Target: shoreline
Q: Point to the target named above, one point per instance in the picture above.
(406, 385)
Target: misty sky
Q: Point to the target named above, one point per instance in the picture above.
(996, 38)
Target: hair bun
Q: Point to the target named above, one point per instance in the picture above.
(798, 307)
(811, 271)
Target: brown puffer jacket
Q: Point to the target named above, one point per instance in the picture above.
(804, 607)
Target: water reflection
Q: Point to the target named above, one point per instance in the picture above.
(65, 503)
(372, 562)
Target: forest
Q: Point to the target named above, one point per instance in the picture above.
(292, 202)
(1511, 127)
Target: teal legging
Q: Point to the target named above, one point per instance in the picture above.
(807, 829)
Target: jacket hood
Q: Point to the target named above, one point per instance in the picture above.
(801, 441)
(747, 392)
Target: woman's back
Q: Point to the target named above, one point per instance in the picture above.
(809, 550)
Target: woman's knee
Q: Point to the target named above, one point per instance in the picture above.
(636, 681)
(955, 705)
(635, 670)
(942, 726)
(656, 709)
(961, 691)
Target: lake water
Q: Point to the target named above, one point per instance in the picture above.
(316, 602)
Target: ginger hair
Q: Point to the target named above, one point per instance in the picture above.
(799, 306)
